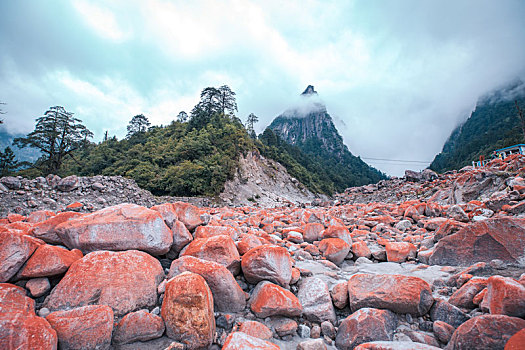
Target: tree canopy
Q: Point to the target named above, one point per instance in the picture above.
(57, 134)
(137, 124)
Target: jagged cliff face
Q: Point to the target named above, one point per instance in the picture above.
(309, 127)
(309, 123)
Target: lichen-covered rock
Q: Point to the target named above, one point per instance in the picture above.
(334, 249)
(138, 326)
(227, 294)
(499, 238)
(365, 325)
(15, 249)
(20, 328)
(505, 296)
(267, 262)
(315, 299)
(125, 281)
(220, 249)
(269, 299)
(49, 260)
(187, 310)
(121, 227)
(240, 341)
(87, 327)
(401, 294)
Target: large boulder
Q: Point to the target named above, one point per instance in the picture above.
(400, 251)
(334, 249)
(505, 296)
(46, 230)
(187, 310)
(464, 296)
(315, 299)
(485, 332)
(220, 249)
(365, 325)
(20, 328)
(15, 249)
(87, 327)
(499, 238)
(227, 294)
(125, 281)
(120, 227)
(49, 260)
(188, 214)
(269, 299)
(267, 262)
(398, 293)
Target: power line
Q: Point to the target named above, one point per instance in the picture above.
(398, 160)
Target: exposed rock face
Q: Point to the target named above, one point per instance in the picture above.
(500, 238)
(265, 182)
(121, 227)
(398, 293)
(125, 281)
(187, 310)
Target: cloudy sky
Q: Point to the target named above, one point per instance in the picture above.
(397, 76)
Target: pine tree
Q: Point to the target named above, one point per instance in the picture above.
(8, 163)
(57, 134)
(138, 124)
(250, 122)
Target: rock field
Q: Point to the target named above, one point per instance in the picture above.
(424, 262)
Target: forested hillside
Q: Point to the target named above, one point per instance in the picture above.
(492, 125)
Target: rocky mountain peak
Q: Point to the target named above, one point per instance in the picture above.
(309, 91)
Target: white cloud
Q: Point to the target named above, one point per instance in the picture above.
(102, 20)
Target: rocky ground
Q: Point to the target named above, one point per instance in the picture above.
(423, 262)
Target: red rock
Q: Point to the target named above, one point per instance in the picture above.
(15, 249)
(87, 327)
(339, 231)
(499, 238)
(485, 332)
(220, 249)
(39, 216)
(447, 228)
(339, 295)
(443, 331)
(187, 310)
(284, 326)
(479, 297)
(517, 341)
(168, 213)
(76, 206)
(46, 230)
(138, 326)
(269, 299)
(296, 276)
(505, 296)
(38, 286)
(312, 232)
(49, 260)
(464, 296)
(401, 294)
(395, 345)
(125, 281)
(15, 218)
(360, 249)
(20, 328)
(267, 262)
(315, 299)
(120, 227)
(334, 249)
(188, 214)
(255, 329)
(210, 231)
(181, 237)
(243, 341)
(247, 242)
(400, 251)
(365, 325)
(227, 295)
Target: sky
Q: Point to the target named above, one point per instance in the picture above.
(396, 76)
